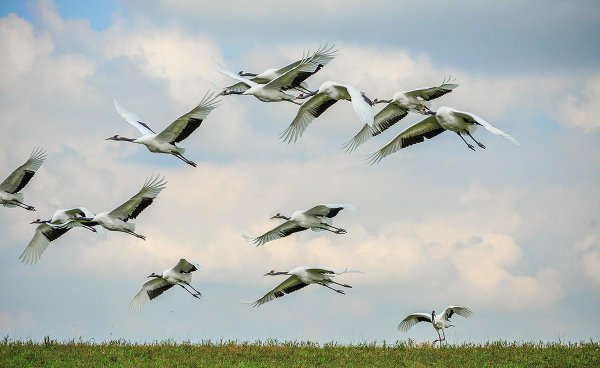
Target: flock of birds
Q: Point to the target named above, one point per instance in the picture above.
(272, 85)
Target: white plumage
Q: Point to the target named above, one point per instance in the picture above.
(62, 221)
(318, 218)
(328, 94)
(446, 118)
(116, 220)
(439, 322)
(397, 108)
(180, 274)
(301, 277)
(10, 188)
(309, 65)
(166, 141)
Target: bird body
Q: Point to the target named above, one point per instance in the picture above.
(439, 321)
(10, 188)
(301, 277)
(166, 141)
(116, 220)
(396, 109)
(49, 230)
(297, 72)
(317, 218)
(445, 118)
(180, 274)
(326, 96)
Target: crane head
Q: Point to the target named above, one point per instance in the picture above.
(154, 275)
(278, 216)
(271, 273)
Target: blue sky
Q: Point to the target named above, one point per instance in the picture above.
(511, 231)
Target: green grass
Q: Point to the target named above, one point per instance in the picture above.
(294, 354)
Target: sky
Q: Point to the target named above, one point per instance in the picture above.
(510, 231)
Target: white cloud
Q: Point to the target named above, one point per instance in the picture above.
(583, 109)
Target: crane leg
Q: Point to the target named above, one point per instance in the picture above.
(25, 206)
(192, 294)
(344, 285)
(439, 337)
(89, 228)
(474, 140)
(179, 156)
(336, 290)
(136, 235)
(468, 145)
(338, 230)
(197, 292)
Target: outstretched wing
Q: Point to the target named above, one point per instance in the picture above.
(413, 319)
(133, 119)
(331, 271)
(23, 174)
(388, 116)
(183, 266)
(324, 54)
(432, 93)
(472, 118)
(461, 311)
(302, 69)
(181, 128)
(309, 111)
(426, 128)
(133, 207)
(290, 285)
(362, 108)
(149, 290)
(281, 231)
(44, 234)
(323, 210)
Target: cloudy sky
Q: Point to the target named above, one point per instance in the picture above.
(511, 231)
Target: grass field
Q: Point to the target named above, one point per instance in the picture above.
(50, 353)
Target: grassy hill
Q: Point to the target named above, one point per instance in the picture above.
(294, 354)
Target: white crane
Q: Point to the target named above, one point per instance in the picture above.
(180, 274)
(301, 277)
(446, 118)
(116, 220)
(318, 218)
(10, 188)
(324, 54)
(328, 94)
(62, 221)
(274, 90)
(396, 109)
(439, 322)
(166, 141)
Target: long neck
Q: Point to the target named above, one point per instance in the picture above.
(123, 139)
(285, 217)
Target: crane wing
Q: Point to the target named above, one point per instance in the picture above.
(134, 206)
(149, 290)
(474, 119)
(181, 128)
(426, 128)
(237, 87)
(323, 210)
(44, 234)
(324, 54)
(432, 93)
(461, 311)
(281, 231)
(23, 174)
(332, 271)
(388, 116)
(413, 319)
(309, 111)
(133, 119)
(290, 285)
(183, 266)
(361, 104)
(302, 69)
